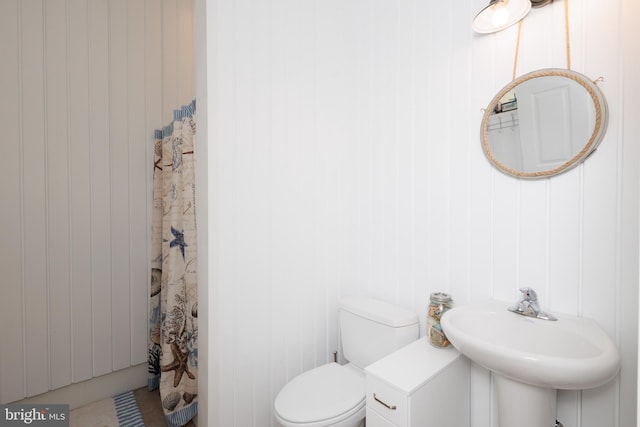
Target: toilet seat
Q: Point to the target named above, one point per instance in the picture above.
(323, 396)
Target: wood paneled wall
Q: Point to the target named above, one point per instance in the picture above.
(344, 157)
(84, 83)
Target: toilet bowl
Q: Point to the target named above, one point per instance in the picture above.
(332, 394)
(337, 398)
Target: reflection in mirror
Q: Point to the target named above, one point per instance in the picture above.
(544, 123)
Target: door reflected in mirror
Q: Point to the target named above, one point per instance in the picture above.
(544, 123)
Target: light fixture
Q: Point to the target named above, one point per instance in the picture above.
(500, 14)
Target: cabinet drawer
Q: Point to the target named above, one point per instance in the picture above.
(376, 420)
(387, 401)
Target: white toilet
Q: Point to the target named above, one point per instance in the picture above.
(332, 394)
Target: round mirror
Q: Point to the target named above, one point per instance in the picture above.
(544, 123)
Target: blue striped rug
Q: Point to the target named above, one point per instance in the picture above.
(127, 410)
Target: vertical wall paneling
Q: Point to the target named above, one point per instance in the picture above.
(565, 254)
(421, 122)
(348, 160)
(225, 106)
(82, 93)
(58, 194)
(627, 301)
(363, 196)
(150, 116)
(185, 51)
(481, 186)
(100, 161)
(12, 358)
(119, 113)
(244, 227)
(405, 131)
(247, 229)
(602, 181)
(80, 196)
(208, 369)
(438, 155)
(170, 61)
(153, 66)
(382, 147)
(461, 146)
(34, 175)
(533, 239)
(262, 166)
(137, 154)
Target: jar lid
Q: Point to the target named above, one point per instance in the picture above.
(440, 297)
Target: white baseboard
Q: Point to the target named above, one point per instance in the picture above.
(79, 394)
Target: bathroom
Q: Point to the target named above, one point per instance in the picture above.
(344, 158)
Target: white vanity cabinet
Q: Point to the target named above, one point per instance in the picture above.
(419, 386)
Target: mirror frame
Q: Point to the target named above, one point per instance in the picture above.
(601, 119)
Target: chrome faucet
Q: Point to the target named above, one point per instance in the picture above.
(528, 306)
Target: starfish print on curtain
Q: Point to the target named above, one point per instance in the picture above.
(173, 334)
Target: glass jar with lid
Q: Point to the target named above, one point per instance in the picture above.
(439, 303)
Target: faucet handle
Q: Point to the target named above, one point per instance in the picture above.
(529, 294)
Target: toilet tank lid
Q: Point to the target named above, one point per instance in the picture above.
(378, 311)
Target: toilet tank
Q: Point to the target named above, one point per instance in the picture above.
(371, 329)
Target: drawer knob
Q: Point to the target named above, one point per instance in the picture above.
(386, 405)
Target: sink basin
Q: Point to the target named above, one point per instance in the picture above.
(570, 353)
(531, 358)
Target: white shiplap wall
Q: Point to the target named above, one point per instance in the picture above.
(344, 157)
(84, 83)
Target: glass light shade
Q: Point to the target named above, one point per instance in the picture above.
(499, 15)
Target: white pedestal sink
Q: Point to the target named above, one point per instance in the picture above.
(532, 358)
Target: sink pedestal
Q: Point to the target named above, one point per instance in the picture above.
(524, 405)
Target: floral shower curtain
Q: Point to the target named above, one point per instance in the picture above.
(173, 312)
